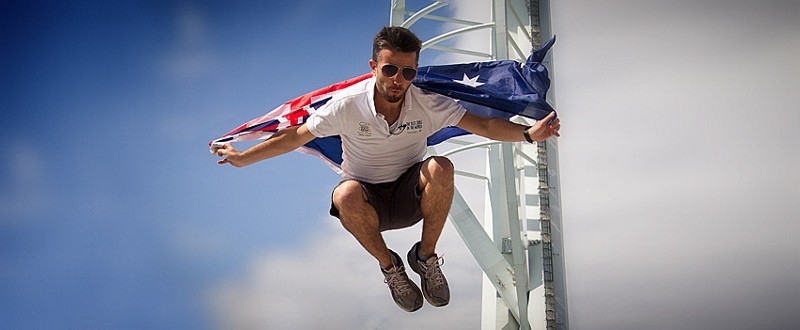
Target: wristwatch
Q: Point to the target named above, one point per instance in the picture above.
(526, 135)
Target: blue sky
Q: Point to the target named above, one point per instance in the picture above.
(112, 207)
(678, 162)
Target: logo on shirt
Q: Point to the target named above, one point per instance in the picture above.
(411, 127)
(364, 129)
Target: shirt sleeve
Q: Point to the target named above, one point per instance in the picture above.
(443, 111)
(326, 120)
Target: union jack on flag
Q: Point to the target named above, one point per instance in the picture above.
(495, 88)
(294, 113)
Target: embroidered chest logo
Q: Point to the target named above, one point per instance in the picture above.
(411, 127)
(364, 129)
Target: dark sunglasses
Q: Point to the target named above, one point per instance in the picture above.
(389, 70)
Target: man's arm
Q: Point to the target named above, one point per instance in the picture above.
(499, 129)
(282, 142)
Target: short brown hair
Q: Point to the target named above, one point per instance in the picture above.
(397, 39)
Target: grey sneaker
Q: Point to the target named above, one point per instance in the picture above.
(405, 293)
(434, 285)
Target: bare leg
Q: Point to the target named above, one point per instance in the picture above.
(361, 220)
(436, 184)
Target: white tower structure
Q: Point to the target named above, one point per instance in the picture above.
(519, 246)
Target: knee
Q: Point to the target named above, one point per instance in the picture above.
(347, 194)
(440, 169)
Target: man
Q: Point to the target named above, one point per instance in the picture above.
(384, 122)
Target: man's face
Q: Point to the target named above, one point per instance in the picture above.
(394, 87)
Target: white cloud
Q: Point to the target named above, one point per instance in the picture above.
(331, 282)
(677, 159)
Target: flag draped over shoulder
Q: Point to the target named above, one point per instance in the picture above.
(489, 89)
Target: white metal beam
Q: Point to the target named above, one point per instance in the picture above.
(499, 271)
(422, 13)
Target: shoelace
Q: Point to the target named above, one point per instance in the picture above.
(396, 281)
(433, 273)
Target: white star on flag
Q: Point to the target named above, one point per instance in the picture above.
(472, 82)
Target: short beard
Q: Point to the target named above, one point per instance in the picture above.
(389, 99)
(392, 99)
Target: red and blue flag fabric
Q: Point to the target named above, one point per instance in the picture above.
(490, 89)
(295, 113)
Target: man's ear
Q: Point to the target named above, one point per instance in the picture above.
(373, 67)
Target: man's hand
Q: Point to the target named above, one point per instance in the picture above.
(230, 155)
(281, 142)
(545, 128)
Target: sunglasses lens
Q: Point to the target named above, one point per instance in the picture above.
(409, 74)
(389, 70)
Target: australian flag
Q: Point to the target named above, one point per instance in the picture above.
(489, 89)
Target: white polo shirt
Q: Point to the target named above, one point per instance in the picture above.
(372, 151)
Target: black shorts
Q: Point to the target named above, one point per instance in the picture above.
(397, 203)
